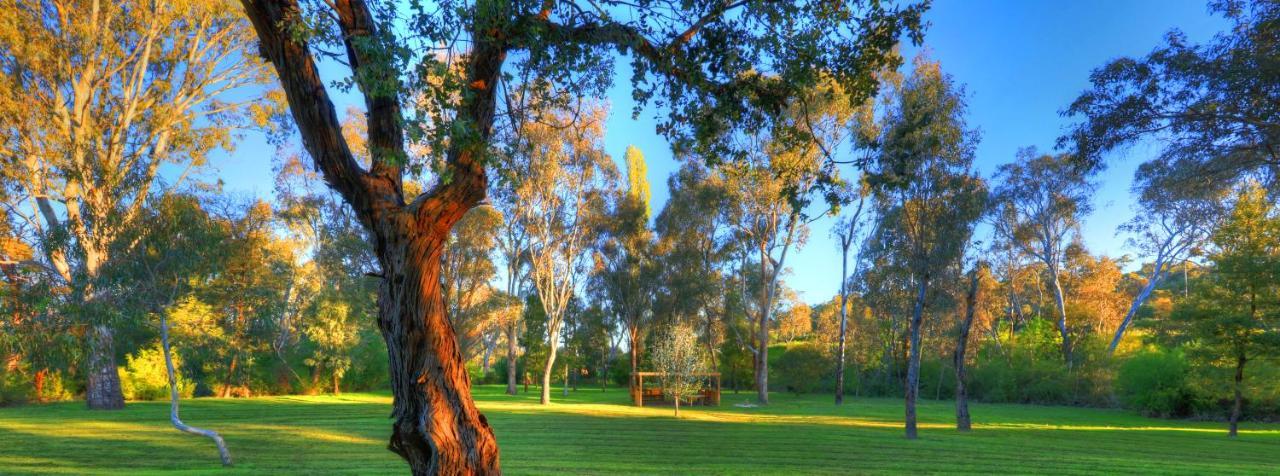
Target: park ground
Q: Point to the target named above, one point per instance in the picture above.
(595, 432)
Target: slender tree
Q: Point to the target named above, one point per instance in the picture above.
(976, 275)
(1042, 199)
(567, 175)
(928, 196)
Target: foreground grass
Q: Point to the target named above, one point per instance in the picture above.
(597, 432)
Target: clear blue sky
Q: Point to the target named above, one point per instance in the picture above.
(1020, 61)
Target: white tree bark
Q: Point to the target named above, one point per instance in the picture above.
(173, 399)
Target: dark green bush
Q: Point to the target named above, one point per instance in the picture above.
(802, 368)
(1156, 383)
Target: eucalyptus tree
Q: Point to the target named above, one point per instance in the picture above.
(1213, 107)
(846, 230)
(566, 178)
(623, 275)
(769, 191)
(693, 246)
(1041, 200)
(1169, 227)
(95, 99)
(704, 62)
(926, 193)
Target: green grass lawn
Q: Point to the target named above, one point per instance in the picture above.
(594, 432)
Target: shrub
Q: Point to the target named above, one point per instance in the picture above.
(803, 367)
(1156, 383)
(144, 376)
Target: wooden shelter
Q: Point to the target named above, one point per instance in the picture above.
(710, 394)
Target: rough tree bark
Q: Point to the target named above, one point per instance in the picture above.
(913, 361)
(102, 391)
(436, 428)
(962, 342)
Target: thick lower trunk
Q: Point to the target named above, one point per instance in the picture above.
(553, 338)
(962, 343)
(546, 377)
(437, 428)
(1238, 408)
(103, 390)
(336, 391)
(677, 406)
(913, 360)
(512, 349)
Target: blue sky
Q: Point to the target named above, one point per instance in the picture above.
(1020, 61)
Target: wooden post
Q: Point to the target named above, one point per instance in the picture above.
(639, 391)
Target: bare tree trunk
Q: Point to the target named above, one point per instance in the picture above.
(512, 349)
(553, 337)
(633, 335)
(962, 342)
(913, 361)
(1062, 316)
(1238, 408)
(173, 398)
(103, 391)
(677, 405)
(1152, 281)
(844, 320)
(334, 379)
(437, 427)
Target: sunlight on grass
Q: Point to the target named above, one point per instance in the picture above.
(594, 432)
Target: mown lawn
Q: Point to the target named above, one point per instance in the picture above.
(594, 432)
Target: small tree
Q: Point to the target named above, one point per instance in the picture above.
(677, 355)
(1230, 317)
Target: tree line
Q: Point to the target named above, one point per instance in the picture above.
(466, 224)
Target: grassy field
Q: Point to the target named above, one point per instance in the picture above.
(593, 432)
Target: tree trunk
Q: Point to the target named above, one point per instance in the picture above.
(1062, 316)
(844, 321)
(38, 384)
(103, 390)
(1152, 281)
(564, 390)
(962, 342)
(1238, 408)
(553, 337)
(762, 359)
(335, 383)
(913, 361)
(437, 427)
(677, 406)
(173, 398)
(512, 349)
(633, 334)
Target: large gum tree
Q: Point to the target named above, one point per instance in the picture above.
(434, 73)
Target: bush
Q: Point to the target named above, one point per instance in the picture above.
(802, 367)
(1156, 383)
(144, 376)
